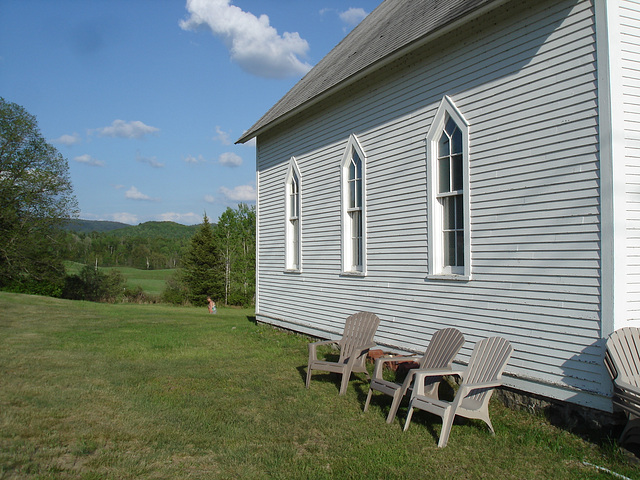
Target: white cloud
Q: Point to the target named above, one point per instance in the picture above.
(124, 217)
(185, 218)
(230, 159)
(89, 160)
(134, 194)
(353, 16)
(152, 161)
(210, 199)
(122, 129)
(222, 136)
(68, 140)
(241, 193)
(194, 160)
(252, 43)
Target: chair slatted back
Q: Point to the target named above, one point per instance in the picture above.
(359, 329)
(488, 360)
(443, 347)
(623, 355)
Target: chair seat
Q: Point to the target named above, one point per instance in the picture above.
(384, 386)
(328, 366)
(429, 404)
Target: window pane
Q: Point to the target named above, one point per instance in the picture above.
(443, 175)
(352, 194)
(358, 162)
(356, 238)
(450, 126)
(449, 216)
(443, 146)
(449, 244)
(456, 142)
(459, 225)
(460, 249)
(295, 242)
(456, 167)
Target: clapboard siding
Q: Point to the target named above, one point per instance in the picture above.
(630, 33)
(525, 77)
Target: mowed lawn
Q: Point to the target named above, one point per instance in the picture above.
(152, 282)
(97, 391)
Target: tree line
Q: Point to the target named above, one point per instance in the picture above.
(37, 203)
(219, 261)
(114, 250)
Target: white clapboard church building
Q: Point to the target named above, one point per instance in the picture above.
(465, 163)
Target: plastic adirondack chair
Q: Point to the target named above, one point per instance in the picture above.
(622, 360)
(443, 347)
(488, 360)
(357, 339)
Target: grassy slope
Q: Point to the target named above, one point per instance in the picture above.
(153, 282)
(151, 391)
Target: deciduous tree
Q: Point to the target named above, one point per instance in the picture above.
(36, 196)
(235, 235)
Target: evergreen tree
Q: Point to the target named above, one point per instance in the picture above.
(202, 272)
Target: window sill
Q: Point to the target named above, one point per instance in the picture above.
(353, 274)
(292, 270)
(449, 277)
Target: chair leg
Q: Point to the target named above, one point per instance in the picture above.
(409, 415)
(447, 422)
(366, 404)
(395, 404)
(308, 376)
(345, 382)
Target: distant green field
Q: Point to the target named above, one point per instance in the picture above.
(152, 281)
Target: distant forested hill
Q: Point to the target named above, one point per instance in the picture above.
(156, 229)
(88, 226)
(150, 245)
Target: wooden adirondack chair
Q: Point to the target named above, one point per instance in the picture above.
(622, 360)
(488, 360)
(443, 347)
(357, 339)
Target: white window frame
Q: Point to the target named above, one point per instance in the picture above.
(293, 220)
(349, 266)
(437, 268)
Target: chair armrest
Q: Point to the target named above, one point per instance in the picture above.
(420, 375)
(436, 372)
(475, 386)
(323, 342)
(313, 346)
(377, 372)
(359, 351)
(627, 387)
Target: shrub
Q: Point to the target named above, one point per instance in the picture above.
(175, 292)
(93, 285)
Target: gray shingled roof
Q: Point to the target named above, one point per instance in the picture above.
(394, 25)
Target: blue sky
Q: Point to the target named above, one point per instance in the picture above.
(145, 98)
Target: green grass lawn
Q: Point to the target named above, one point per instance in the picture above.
(127, 391)
(153, 282)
